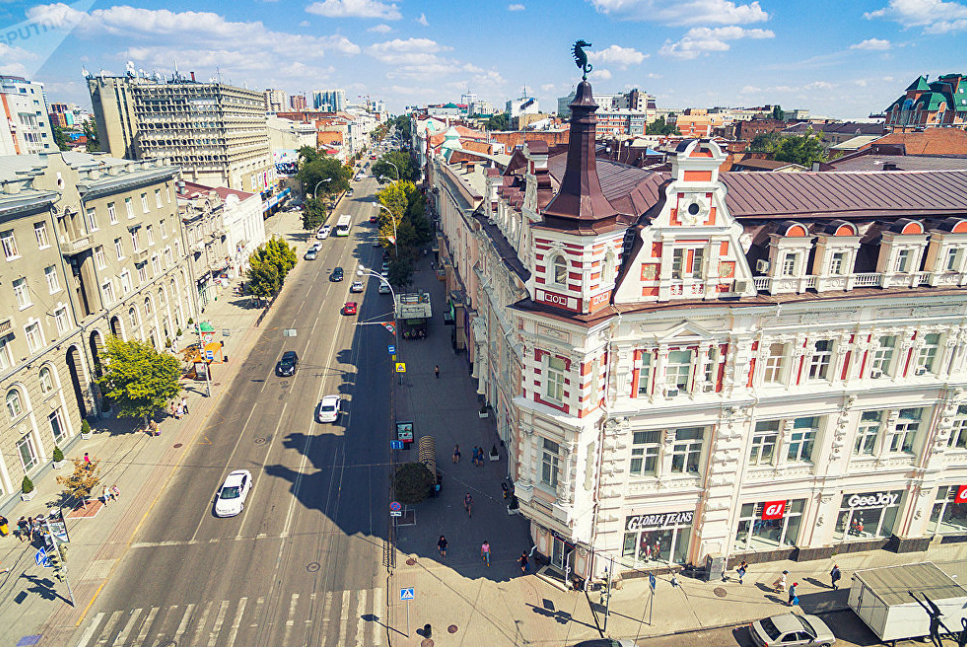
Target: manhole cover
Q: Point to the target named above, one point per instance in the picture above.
(261, 440)
(312, 567)
(427, 642)
(719, 592)
(177, 445)
(216, 383)
(452, 629)
(410, 561)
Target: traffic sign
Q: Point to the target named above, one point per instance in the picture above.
(407, 594)
(395, 514)
(401, 367)
(391, 349)
(41, 557)
(209, 354)
(651, 581)
(395, 506)
(396, 444)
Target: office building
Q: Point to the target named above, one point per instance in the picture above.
(24, 124)
(329, 100)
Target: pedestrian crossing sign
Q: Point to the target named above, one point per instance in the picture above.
(407, 594)
(400, 367)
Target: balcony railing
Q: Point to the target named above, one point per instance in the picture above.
(833, 283)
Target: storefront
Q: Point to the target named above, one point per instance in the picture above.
(949, 514)
(867, 515)
(657, 538)
(769, 525)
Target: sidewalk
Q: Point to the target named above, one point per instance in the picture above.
(140, 465)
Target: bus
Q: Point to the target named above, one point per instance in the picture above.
(343, 225)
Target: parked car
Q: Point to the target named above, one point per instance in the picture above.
(383, 288)
(336, 275)
(328, 409)
(385, 267)
(311, 255)
(323, 232)
(376, 242)
(349, 308)
(374, 218)
(357, 286)
(791, 630)
(287, 364)
(230, 498)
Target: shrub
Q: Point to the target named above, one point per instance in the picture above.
(58, 454)
(85, 427)
(413, 482)
(178, 334)
(26, 486)
(190, 321)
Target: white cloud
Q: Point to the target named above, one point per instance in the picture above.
(935, 16)
(683, 12)
(415, 57)
(355, 9)
(861, 83)
(305, 23)
(875, 44)
(620, 56)
(516, 7)
(422, 20)
(548, 87)
(750, 89)
(600, 75)
(819, 85)
(702, 40)
(380, 29)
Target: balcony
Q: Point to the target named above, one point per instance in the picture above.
(140, 256)
(799, 284)
(76, 246)
(6, 325)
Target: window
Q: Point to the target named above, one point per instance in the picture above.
(35, 340)
(164, 229)
(883, 356)
(107, 290)
(6, 359)
(952, 264)
(129, 207)
(168, 193)
(678, 371)
(756, 533)
(905, 432)
(948, 516)
(774, 363)
(764, 442)
(46, 381)
(142, 273)
(156, 265)
(157, 198)
(14, 405)
(62, 320)
(928, 353)
(789, 264)
(9, 245)
(118, 249)
(549, 463)
(112, 213)
(554, 384)
(168, 259)
(902, 263)
(820, 360)
(134, 240)
(125, 282)
(40, 231)
(866, 434)
(559, 266)
(91, 220)
(21, 292)
(698, 262)
(958, 432)
(867, 515)
(802, 440)
(133, 317)
(607, 268)
(837, 263)
(687, 450)
(57, 427)
(99, 258)
(150, 234)
(644, 373)
(678, 263)
(28, 455)
(144, 202)
(53, 283)
(644, 453)
(147, 306)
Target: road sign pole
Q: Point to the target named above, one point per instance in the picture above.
(63, 567)
(407, 619)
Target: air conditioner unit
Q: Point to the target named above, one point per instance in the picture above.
(762, 266)
(708, 388)
(740, 287)
(922, 370)
(876, 373)
(671, 393)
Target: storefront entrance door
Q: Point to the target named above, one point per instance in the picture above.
(558, 553)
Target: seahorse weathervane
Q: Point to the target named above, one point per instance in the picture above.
(581, 59)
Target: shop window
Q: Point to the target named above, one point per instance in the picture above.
(549, 463)
(820, 360)
(905, 433)
(871, 422)
(687, 450)
(678, 372)
(958, 432)
(867, 515)
(775, 364)
(883, 356)
(926, 359)
(644, 453)
(949, 514)
(554, 368)
(657, 538)
(768, 525)
(764, 442)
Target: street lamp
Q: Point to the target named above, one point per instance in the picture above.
(362, 271)
(328, 179)
(392, 219)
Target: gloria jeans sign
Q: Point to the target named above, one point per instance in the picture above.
(657, 521)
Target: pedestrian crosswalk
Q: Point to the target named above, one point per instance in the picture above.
(328, 619)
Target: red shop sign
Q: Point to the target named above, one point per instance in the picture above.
(773, 510)
(961, 494)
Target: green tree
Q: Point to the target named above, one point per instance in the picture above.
(778, 113)
(801, 149)
(319, 167)
(137, 378)
(314, 214)
(387, 165)
(82, 481)
(412, 483)
(90, 131)
(764, 143)
(60, 138)
(499, 121)
(268, 267)
(402, 124)
(659, 127)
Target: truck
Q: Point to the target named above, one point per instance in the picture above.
(890, 599)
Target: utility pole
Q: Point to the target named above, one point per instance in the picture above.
(57, 561)
(607, 604)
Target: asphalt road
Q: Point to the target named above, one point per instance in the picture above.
(303, 563)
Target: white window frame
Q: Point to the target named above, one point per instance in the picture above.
(868, 432)
(645, 372)
(144, 202)
(112, 213)
(149, 232)
(157, 198)
(22, 291)
(904, 257)
(554, 270)
(14, 403)
(687, 449)
(6, 358)
(554, 376)
(53, 281)
(903, 436)
(790, 263)
(9, 242)
(46, 380)
(550, 462)
(679, 374)
(883, 355)
(90, 217)
(765, 441)
(142, 273)
(820, 362)
(126, 285)
(774, 371)
(929, 352)
(107, 292)
(802, 439)
(99, 258)
(645, 450)
(129, 207)
(34, 336)
(40, 232)
(134, 240)
(62, 320)
(837, 263)
(119, 249)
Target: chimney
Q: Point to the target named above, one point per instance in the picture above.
(192, 77)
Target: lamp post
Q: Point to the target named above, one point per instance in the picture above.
(328, 179)
(392, 219)
(362, 271)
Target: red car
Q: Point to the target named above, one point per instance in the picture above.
(349, 308)
(374, 218)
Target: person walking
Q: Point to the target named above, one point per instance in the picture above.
(743, 567)
(436, 371)
(793, 600)
(468, 505)
(485, 552)
(184, 405)
(524, 564)
(779, 586)
(442, 546)
(456, 453)
(87, 462)
(4, 526)
(23, 528)
(115, 492)
(106, 495)
(834, 577)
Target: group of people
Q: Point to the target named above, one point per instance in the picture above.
(179, 409)
(523, 561)
(476, 455)
(416, 333)
(31, 529)
(112, 493)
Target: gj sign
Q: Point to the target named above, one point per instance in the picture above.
(656, 521)
(873, 500)
(773, 510)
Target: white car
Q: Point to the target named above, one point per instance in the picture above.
(357, 286)
(317, 246)
(230, 499)
(328, 409)
(383, 288)
(323, 232)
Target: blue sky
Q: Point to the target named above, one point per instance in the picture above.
(841, 58)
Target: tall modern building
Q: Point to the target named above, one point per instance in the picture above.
(24, 125)
(216, 133)
(298, 102)
(275, 100)
(329, 100)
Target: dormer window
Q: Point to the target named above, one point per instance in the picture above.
(953, 261)
(837, 263)
(607, 268)
(902, 264)
(789, 262)
(559, 268)
(680, 263)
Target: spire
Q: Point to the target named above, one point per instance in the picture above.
(580, 204)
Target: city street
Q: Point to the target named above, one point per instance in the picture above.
(303, 563)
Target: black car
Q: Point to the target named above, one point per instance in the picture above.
(286, 365)
(336, 274)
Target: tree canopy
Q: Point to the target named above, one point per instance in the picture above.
(659, 127)
(60, 138)
(402, 124)
(268, 267)
(778, 113)
(138, 379)
(314, 213)
(499, 121)
(387, 165)
(90, 131)
(82, 481)
(316, 167)
(797, 149)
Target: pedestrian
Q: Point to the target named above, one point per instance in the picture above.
(485, 552)
(456, 453)
(178, 412)
(741, 570)
(153, 429)
(436, 370)
(184, 405)
(105, 494)
(792, 594)
(4, 526)
(34, 528)
(87, 462)
(834, 577)
(23, 528)
(442, 546)
(779, 585)
(115, 492)
(524, 564)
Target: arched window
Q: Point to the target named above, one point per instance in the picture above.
(46, 380)
(161, 296)
(559, 266)
(607, 268)
(147, 306)
(14, 405)
(133, 317)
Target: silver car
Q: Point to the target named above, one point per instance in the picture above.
(791, 630)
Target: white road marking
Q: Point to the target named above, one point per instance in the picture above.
(185, 619)
(344, 616)
(219, 619)
(122, 636)
(325, 614)
(146, 627)
(91, 628)
(109, 627)
(361, 622)
(258, 611)
(312, 605)
(237, 622)
(378, 620)
(202, 621)
(290, 622)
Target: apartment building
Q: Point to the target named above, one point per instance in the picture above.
(705, 368)
(24, 125)
(215, 132)
(329, 100)
(92, 247)
(924, 104)
(275, 100)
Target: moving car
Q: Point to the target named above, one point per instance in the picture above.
(311, 255)
(374, 219)
(790, 630)
(336, 275)
(317, 246)
(349, 308)
(328, 409)
(323, 232)
(357, 286)
(287, 364)
(376, 242)
(383, 288)
(230, 499)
